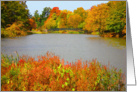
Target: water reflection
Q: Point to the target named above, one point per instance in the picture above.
(119, 43)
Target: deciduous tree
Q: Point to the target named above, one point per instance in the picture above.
(117, 16)
(74, 21)
(13, 11)
(96, 19)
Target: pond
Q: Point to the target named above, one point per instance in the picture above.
(70, 47)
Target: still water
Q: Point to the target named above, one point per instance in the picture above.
(70, 47)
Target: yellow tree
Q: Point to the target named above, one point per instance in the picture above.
(62, 19)
(50, 23)
(81, 12)
(96, 19)
(74, 21)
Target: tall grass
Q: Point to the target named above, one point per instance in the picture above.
(49, 73)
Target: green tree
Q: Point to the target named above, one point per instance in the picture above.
(44, 15)
(45, 12)
(117, 16)
(13, 11)
(36, 15)
(37, 18)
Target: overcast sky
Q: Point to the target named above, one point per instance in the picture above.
(69, 5)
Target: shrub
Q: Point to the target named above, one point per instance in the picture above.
(16, 29)
(49, 73)
(95, 33)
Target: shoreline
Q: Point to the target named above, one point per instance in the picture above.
(39, 32)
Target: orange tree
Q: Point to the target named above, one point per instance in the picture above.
(96, 19)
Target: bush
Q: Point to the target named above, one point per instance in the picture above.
(73, 32)
(3, 33)
(95, 33)
(16, 29)
(49, 73)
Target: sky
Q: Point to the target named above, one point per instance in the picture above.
(69, 5)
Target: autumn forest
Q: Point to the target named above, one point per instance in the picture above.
(108, 19)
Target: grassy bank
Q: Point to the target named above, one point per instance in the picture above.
(36, 32)
(49, 73)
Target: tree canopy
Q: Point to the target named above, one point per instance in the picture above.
(105, 17)
(12, 11)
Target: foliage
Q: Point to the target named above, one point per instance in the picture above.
(41, 18)
(96, 20)
(51, 23)
(74, 21)
(13, 11)
(49, 73)
(117, 16)
(37, 18)
(14, 15)
(36, 15)
(80, 11)
(16, 29)
(55, 10)
(105, 17)
(32, 23)
(44, 15)
(63, 19)
(81, 25)
(108, 19)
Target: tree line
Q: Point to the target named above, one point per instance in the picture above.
(104, 18)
